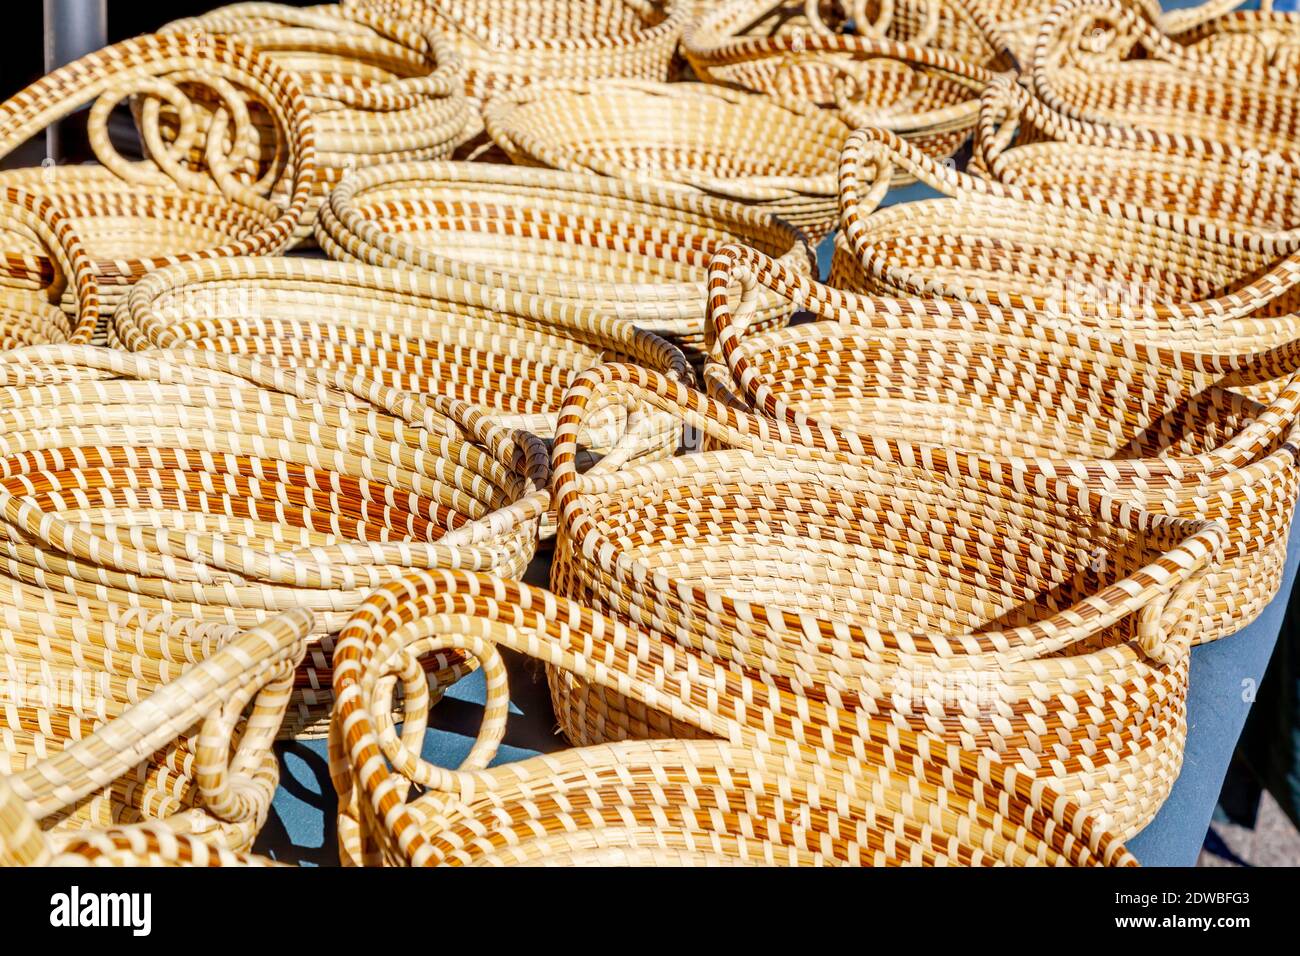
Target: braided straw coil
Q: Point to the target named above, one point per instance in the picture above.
(509, 43)
(633, 251)
(511, 359)
(32, 287)
(928, 96)
(136, 216)
(225, 489)
(836, 596)
(1162, 278)
(380, 90)
(1105, 62)
(738, 146)
(1035, 404)
(756, 796)
(90, 753)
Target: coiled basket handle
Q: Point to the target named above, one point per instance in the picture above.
(262, 657)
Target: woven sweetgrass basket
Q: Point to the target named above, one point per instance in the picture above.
(136, 216)
(719, 28)
(1020, 142)
(221, 488)
(634, 251)
(33, 287)
(508, 43)
(799, 586)
(1263, 38)
(1035, 405)
(930, 96)
(770, 792)
(747, 148)
(1017, 23)
(379, 89)
(122, 738)
(1170, 280)
(1103, 61)
(511, 359)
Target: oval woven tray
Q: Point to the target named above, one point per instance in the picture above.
(930, 96)
(631, 250)
(509, 358)
(220, 488)
(1035, 406)
(747, 148)
(1101, 61)
(1168, 280)
(836, 591)
(1020, 142)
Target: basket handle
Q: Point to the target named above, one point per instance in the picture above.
(157, 65)
(864, 26)
(1006, 105)
(866, 168)
(436, 612)
(262, 657)
(59, 235)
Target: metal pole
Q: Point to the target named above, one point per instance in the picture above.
(73, 28)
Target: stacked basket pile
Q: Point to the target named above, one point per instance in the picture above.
(905, 568)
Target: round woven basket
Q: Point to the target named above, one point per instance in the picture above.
(734, 145)
(1105, 62)
(225, 489)
(136, 216)
(1020, 142)
(760, 796)
(511, 360)
(927, 95)
(380, 90)
(508, 43)
(1036, 405)
(836, 596)
(32, 288)
(634, 251)
(1164, 278)
(131, 719)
